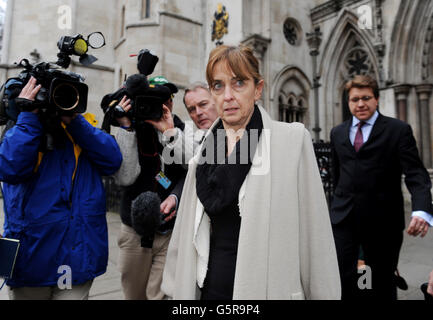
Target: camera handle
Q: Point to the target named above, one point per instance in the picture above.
(64, 60)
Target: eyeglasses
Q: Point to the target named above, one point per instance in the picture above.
(364, 98)
(218, 87)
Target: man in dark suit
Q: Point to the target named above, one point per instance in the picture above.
(370, 154)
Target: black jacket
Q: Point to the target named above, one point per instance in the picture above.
(368, 182)
(149, 151)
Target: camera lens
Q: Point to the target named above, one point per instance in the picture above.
(66, 96)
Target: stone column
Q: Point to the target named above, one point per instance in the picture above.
(314, 39)
(423, 91)
(401, 92)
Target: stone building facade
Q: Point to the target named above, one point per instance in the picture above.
(307, 50)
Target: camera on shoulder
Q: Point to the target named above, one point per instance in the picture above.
(62, 92)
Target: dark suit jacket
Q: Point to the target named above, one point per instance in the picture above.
(368, 182)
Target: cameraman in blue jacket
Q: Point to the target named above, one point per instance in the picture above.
(54, 203)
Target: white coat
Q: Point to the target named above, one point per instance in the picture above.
(286, 247)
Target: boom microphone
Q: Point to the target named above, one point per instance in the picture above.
(136, 85)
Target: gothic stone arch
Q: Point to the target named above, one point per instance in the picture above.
(410, 70)
(348, 51)
(410, 57)
(291, 96)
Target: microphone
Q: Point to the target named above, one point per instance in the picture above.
(146, 216)
(136, 85)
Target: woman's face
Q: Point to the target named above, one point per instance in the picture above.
(234, 97)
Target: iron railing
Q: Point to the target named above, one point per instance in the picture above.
(324, 161)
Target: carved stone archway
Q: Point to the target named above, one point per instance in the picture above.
(347, 52)
(291, 92)
(410, 70)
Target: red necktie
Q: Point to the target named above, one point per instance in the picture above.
(359, 140)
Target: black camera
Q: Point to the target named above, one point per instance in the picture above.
(62, 92)
(146, 99)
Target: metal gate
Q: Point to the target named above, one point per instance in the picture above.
(324, 161)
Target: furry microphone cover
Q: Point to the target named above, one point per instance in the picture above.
(146, 216)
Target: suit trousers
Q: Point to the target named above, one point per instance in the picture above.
(381, 245)
(77, 292)
(141, 268)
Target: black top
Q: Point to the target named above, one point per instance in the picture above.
(149, 150)
(220, 276)
(217, 188)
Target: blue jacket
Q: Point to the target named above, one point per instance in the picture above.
(59, 220)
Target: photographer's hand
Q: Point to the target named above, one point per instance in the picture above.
(168, 207)
(165, 124)
(125, 104)
(30, 91)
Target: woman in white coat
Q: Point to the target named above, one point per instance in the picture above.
(253, 221)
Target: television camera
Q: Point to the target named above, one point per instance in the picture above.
(146, 100)
(62, 92)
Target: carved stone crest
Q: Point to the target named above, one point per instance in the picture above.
(220, 23)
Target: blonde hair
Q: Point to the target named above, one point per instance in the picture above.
(361, 81)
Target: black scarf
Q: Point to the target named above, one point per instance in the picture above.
(220, 178)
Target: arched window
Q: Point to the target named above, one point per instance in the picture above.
(300, 113)
(292, 88)
(356, 62)
(293, 109)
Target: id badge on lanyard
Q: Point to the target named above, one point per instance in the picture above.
(161, 178)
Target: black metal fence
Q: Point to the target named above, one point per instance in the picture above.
(113, 194)
(324, 161)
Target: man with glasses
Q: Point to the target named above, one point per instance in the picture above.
(370, 154)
